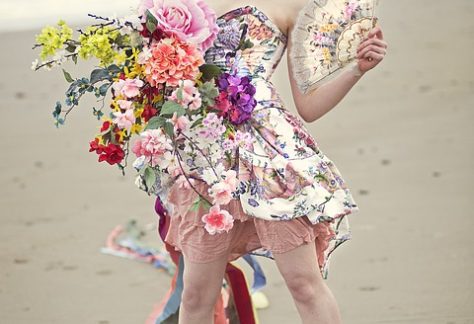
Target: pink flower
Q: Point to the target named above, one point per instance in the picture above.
(153, 144)
(124, 120)
(190, 20)
(349, 10)
(217, 220)
(181, 122)
(171, 61)
(129, 87)
(221, 193)
(124, 104)
(213, 126)
(190, 95)
(231, 179)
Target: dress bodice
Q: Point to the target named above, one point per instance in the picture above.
(248, 43)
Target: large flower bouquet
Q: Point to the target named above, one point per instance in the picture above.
(184, 113)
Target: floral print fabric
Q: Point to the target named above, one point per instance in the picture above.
(282, 173)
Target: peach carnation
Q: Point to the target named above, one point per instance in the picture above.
(172, 60)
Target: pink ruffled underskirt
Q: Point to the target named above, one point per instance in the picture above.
(187, 233)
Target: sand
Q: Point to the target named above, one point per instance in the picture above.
(403, 140)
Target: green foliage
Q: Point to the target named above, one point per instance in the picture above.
(67, 76)
(151, 22)
(171, 107)
(209, 92)
(155, 123)
(209, 71)
(149, 177)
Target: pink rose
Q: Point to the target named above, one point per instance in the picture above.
(217, 220)
(190, 20)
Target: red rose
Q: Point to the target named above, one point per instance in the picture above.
(112, 154)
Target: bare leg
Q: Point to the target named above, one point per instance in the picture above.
(202, 285)
(313, 298)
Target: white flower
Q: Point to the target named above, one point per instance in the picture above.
(34, 64)
(139, 183)
(139, 163)
(168, 160)
(144, 55)
(209, 176)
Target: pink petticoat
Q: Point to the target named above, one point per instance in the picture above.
(187, 233)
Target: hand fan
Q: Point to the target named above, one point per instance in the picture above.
(325, 39)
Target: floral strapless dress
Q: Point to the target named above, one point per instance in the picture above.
(290, 193)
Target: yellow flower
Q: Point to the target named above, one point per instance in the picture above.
(136, 129)
(97, 42)
(52, 38)
(327, 28)
(138, 112)
(122, 134)
(326, 55)
(100, 139)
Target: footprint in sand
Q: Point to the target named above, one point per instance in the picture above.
(20, 95)
(20, 260)
(104, 272)
(369, 288)
(424, 88)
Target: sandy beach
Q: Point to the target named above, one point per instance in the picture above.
(403, 140)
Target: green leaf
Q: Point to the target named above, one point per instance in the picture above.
(209, 71)
(114, 69)
(169, 129)
(179, 94)
(208, 92)
(196, 204)
(151, 22)
(99, 75)
(71, 48)
(171, 107)
(103, 89)
(155, 122)
(67, 76)
(74, 59)
(149, 177)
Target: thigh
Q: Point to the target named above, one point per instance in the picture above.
(204, 279)
(299, 264)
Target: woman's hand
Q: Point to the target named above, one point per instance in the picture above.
(371, 50)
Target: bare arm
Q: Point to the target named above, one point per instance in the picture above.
(314, 105)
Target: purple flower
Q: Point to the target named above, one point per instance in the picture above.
(240, 93)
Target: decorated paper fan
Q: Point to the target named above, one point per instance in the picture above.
(325, 39)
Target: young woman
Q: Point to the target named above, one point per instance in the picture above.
(288, 179)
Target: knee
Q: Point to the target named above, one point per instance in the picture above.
(196, 298)
(303, 287)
